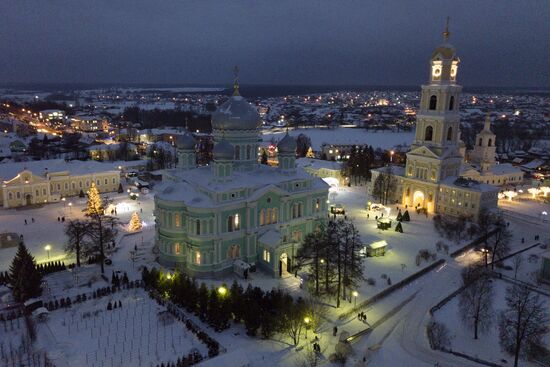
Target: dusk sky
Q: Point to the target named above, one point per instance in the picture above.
(500, 42)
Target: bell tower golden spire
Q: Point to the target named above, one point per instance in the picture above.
(236, 81)
(446, 32)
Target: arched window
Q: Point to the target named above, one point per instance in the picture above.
(177, 248)
(177, 220)
(450, 133)
(268, 216)
(198, 226)
(237, 222)
(248, 152)
(262, 217)
(490, 142)
(433, 102)
(428, 135)
(233, 252)
(451, 103)
(237, 152)
(230, 223)
(274, 215)
(480, 141)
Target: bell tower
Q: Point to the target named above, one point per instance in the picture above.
(438, 119)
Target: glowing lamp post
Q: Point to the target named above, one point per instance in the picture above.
(545, 190)
(355, 294)
(48, 248)
(391, 155)
(307, 320)
(486, 253)
(222, 291)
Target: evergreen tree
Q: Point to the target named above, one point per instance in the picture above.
(120, 189)
(202, 300)
(310, 256)
(310, 153)
(94, 204)
(25, 278)
(264, 157)
(406, 217)
(135, 223)
(399, 216)
(399, 227)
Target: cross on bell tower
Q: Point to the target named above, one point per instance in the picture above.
(236, 81)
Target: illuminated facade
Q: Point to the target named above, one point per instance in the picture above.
(431, 178)
(236, 211)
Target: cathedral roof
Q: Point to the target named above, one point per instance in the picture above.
(287, 145)
(186, 142)
(446, 51)
(236, 114)
(223, 151)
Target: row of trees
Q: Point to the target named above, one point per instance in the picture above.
(269, 313)
(359, 164)
(522, 325)
(384, 185)
(331, 258)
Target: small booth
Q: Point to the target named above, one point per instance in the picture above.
(241, 268)
(383, 223)
(377, 248)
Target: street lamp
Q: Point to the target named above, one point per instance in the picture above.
(48, 248)
(486, 253)
(222, 291)
(307, 320)
(355, 294)
(391, 155)
(70, 206)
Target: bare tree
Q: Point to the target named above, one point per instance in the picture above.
(524, 323)
(501, 242)
(475, 301)
(316, 311)
(77, 231)
(518, 260)
(102, 230)
(384, 185)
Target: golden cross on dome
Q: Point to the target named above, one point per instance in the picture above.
(446, 33)
(236, 81)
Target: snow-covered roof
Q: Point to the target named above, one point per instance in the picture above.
(271, 238)
(533, 164)
(10, 170)
(192, 186)
(318, 164)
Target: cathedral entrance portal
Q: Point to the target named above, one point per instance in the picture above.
(28, 199)
(418, 199)
(284, 265)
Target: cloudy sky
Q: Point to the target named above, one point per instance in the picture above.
(361, 42)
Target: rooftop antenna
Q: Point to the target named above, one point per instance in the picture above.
(236, 81)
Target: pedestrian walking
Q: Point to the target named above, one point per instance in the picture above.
(334, 331)
(32, 220)
(25, 222)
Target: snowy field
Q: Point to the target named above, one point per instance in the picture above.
(318, 136)
(487, 346)
(139, 333)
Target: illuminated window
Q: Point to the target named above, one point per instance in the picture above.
(267, 256)
(233, 252)
(237, 222)
(177, 220)
(297, 236)
(262, 217)
(177, 248)
(197, 257)
(317, 204)
(274, 215)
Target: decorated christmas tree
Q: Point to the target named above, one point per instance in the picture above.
(399, 227)
(310, 153)
(94, 205)
(135, 223)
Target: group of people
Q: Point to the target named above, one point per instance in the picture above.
(32, 221)
(61, 219)
(362, 316)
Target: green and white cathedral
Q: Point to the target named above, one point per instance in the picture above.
(235, 210)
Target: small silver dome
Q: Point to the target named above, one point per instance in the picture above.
(223, 151)
(287, 145)
(186, 142)
(236, 114)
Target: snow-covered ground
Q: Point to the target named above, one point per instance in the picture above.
(487, 345)
(140, 333)
(318, 136)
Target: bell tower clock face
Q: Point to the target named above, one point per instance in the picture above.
(436, 72)
(453, 73)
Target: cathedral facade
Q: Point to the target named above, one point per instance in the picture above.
(432, 178)
(236, 213)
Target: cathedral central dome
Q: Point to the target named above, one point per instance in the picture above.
(236, 114)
